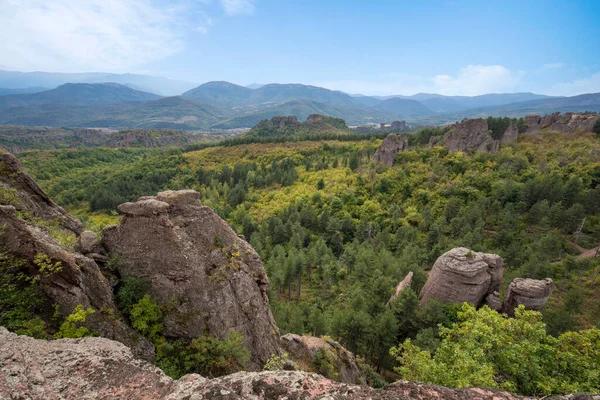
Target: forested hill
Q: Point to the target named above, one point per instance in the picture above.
(290, 126)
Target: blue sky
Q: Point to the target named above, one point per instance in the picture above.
(359, 46)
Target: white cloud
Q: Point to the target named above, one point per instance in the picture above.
(102, 35)
(579, 86)
(235, 7)
(469, 81)
(74, 35)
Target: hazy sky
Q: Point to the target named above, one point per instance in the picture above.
(359, 46)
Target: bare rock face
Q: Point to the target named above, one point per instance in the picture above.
(398, 126)
(468, 135)
(511, 134)
(403, 285)
(462, 275)
(193, 258)
(391, 145)
(29, 196)
(98, 368)
(532, 293)
(564, 123)
(88, 243)
(309, 351)
(79, 280)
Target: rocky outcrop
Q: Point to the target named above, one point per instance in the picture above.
(193, 258)
(467, 135)
(78, 281)
(391, 145)
(398, 126)
(532, 293)
(18, 189)
(564, 123)
(98, 368)
(462, 275)
(324, 356)
(403, 285)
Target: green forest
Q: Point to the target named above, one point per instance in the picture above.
(337, 232)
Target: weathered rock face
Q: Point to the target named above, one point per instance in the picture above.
(564, 123)
(462, 275)
(391, 145)
(398, 126)
(97, 368)
(532, 293)
(193, 257)
(403, 285)
(30, 197)
(79, 280)
(468, 135)
(309, 352)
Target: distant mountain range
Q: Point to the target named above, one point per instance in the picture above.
(224, 105)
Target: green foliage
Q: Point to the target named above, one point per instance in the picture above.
(596, 128)
(8, 196)
(21, 299)
(276, 362)
(130, 291)
(146, 317)
(325, 364)
(487, 349)
(498, 126)
(72, 327)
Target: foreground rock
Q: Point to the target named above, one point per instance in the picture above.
(324, 356)
(98, 368)
(462, 275)
(532, 293)
(196, 262)
(468, 135)
(391, 145)
(78, 280)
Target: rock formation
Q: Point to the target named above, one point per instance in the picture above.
(398, 126)
(79, 279)
(193, 258)
(564, 123)
(391, 145)
(462, 275)
(403, 285)
(468, 135)
(532, 293)
(98, 368)
(311, 352)
(19, 190)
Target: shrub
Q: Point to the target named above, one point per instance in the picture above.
(146, 317)
(72, 328)
(131, 290)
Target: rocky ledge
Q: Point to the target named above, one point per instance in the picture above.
(98, 368)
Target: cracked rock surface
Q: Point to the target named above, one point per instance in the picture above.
(213, 279)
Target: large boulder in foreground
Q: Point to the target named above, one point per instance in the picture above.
(532, 293)
(462, 275)
(213, 280)
(324, 356)
(98, 368)
(391, 145)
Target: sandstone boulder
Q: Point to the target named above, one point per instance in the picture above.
(312, 353)
(193, 258)
(468, 135)
(462, 275)
(88, 243)
(391, 145)
(532, 293)
(98, 368)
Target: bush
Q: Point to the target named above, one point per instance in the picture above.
(487, 349)
(72, 328)
(210, 356)
(130, 292)
(146, 317)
